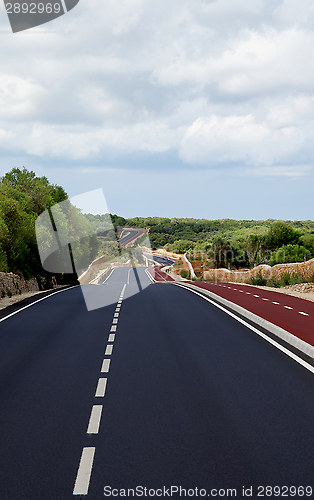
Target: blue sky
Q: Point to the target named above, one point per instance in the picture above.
(194, 108)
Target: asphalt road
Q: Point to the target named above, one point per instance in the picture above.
(165, 261)
(130, 234)
(193, 399)
(290, 313)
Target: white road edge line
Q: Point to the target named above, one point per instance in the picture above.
(84, 472)
(255, 330)
(101, 388)
(109, 275)
(36, 301)
(149, 276)
(94, 420)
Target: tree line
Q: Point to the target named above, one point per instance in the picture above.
(231, 243)
(23, 197)
(224, 243)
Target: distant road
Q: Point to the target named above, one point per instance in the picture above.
(193, 398)
(165, 261)
(130, 234)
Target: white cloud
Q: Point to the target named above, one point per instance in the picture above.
(237, 139)
(218, 82)
(82, 142)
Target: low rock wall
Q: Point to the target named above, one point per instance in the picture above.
(305, 269)
(15, 284)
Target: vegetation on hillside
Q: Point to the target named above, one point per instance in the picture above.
(231, 243)
(23, 197)
(222, 243)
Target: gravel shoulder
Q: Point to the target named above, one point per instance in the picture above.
(9, 301)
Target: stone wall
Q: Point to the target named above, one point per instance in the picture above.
(305, 269)
(14, 284)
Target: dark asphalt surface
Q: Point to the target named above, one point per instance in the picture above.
(160, 260)
(131, 233)
(193, 399)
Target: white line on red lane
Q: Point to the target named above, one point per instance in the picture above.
(263, 298)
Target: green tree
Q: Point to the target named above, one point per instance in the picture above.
(281, 233)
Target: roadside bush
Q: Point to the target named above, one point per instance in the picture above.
(185, 274)
(285, 279)
(259, 280)
(273, 282)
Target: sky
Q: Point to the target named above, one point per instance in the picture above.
(175, 108)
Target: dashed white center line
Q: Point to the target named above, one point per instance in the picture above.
(108, 350)
(94, 421)
(84, 472)
(101, 388)
(113, 328)
(105, 366)
(111, 337)
(116, 315)
(115, 321)
(263, 298)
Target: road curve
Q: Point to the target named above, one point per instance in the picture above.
(193, 398)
